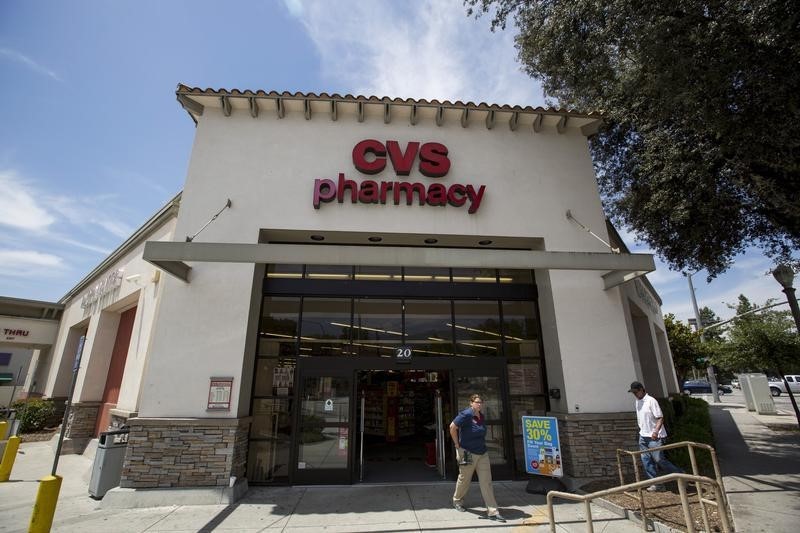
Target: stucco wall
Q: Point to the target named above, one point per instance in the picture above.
(267, 167)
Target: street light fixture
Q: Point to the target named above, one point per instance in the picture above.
(785, 275)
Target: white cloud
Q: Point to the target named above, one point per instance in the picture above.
(25, 262)
(28, 62)
(295, 7)
(20, 204)
(427, 49)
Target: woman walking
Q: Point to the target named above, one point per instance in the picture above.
(468, 432)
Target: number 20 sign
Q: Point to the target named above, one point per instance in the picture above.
(402, 354)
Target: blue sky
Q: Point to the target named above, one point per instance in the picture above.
(93, 142)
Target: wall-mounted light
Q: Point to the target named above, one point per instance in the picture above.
(555, 394)
(133, 277)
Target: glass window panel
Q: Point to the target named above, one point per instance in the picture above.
(274, 377)
(325, 327)
(285, 271)
(329, 272)
(268, 461)
(522, 350)
(520, 321)
(525, 378)
(325, 412)
(426, 274)
(495, 444)
(526, 406)
(516, 276)
(477, 328)
(377, 326)
(278, 328)
(271, 419)
(488, 387)
(369, 273)
(327, 399)
(428, 326)
(474, 275)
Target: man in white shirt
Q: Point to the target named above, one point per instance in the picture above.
(651, 434)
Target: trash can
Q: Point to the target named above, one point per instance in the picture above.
(107, 468)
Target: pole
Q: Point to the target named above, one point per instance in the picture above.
(75, 368)
(789, 292)
(712, 378)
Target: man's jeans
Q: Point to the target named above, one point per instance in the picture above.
(651, 459)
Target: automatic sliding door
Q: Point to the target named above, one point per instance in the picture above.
(489, 384)
(324, 430)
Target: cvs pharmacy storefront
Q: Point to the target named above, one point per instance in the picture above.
(346, 271)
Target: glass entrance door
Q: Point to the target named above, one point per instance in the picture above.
(324, 429)
(490, 385)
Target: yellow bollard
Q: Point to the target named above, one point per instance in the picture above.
(45, 506)
(3, 429)
(9, 456)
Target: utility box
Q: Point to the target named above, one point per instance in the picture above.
(744, 381)
(107, 468)
(760, 395)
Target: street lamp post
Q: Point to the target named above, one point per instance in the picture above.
(712, 377)
(785, 275)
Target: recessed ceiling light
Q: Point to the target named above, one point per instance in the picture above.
(317, 238)
(485, 243)
(375, 239)
(431, 241)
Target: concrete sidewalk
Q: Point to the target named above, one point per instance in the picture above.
(337, 509)
(760, 460)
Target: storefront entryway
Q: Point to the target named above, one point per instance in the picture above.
(405, 416)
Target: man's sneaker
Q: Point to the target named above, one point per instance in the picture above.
(459, 507)
(496, 517)
(656, 488)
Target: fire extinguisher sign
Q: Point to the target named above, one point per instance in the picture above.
(542, 446)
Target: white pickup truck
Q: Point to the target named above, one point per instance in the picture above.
(778, 387)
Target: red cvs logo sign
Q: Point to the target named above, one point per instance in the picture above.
(372, 157)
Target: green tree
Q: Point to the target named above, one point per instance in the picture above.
(687, 351)
(761, 342)
(700, 150)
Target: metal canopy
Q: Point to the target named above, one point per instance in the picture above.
(174, 256)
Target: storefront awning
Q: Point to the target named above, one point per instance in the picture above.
(615, 268)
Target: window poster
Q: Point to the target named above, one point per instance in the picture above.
(542, 446)
(219, 393)
(525, 378)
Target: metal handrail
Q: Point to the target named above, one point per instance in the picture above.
(690, 446)
(682, 479)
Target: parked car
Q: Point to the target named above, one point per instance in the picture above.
(696, 386)
(778, 387)
(735, 384)
(701, 386)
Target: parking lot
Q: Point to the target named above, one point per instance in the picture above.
(782, 402)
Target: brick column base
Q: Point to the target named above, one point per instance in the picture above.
(80, 427)
(185, 452)
(589, 442)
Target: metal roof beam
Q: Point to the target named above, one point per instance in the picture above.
(334, 111)
(490, 120)
(387, 113)
(513, 122)
(562, 124)
(253, 107)
(307, 108)
(279, 107)
(465, 117)
(439, 116)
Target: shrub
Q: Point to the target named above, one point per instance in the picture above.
(33, 413)
(693, 424)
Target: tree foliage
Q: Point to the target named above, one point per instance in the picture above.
(700, 152)
(761, 342)
(687, 351)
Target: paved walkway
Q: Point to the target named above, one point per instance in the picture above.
(761, 470)
(760, 467)
(356, 508)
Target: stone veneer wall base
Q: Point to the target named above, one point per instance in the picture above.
(123, 498)
(589, 443)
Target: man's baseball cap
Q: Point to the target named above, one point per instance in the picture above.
(636, 386)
